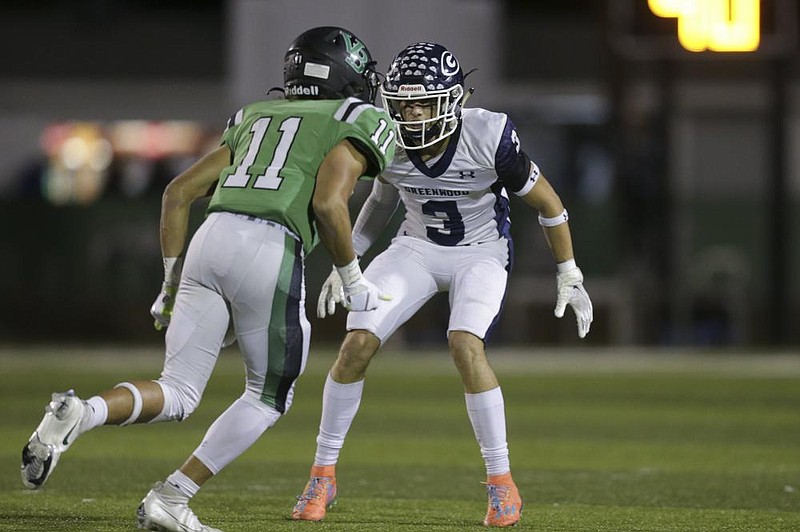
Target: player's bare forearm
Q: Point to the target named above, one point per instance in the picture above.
(336, 178)
(333, 223)
(544, 199)
(174, 227)
(559, 239)
(181, 192)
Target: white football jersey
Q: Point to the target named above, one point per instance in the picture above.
(459, 197)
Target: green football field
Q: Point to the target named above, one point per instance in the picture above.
(600, 441)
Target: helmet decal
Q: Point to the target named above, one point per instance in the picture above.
(357, 55)
(315, 70)
(450, 64)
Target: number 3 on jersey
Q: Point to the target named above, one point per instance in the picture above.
(451, 231)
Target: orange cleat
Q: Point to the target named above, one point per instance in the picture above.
(505, 504)
(318, 495)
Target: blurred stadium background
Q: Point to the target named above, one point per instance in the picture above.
(681, 170)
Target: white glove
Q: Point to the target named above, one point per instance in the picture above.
(330, 294)
(359, 293)
(572, 293)
(161, 310)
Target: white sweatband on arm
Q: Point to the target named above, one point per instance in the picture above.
(172, 270)
(566, 265)
(350, 273)
(374, 216)
(555, 220)
(533, 178)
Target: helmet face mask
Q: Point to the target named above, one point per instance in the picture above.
(424, 74)
(329, 63)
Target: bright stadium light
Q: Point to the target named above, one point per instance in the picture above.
(716, 25)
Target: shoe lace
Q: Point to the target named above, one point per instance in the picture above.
(498, 495)
(316, 489)
(57, 407)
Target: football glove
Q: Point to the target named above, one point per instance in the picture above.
(331, 294)
(572, 293)
(360, 294)
(161, 309)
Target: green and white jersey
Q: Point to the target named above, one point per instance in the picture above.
(277, 148)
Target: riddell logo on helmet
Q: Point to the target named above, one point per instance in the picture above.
(302, 90)
(408, 90)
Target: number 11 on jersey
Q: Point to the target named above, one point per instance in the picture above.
(270, 179)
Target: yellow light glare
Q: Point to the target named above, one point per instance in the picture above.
(668, 8)
(739, 31)
(717, 25)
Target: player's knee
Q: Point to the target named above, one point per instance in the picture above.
(459, 341)
(180, 400)
(356, 351)
(279, 397)
(465, 348)
(264, 409)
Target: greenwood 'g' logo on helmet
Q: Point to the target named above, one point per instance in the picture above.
(450, 64)
(357, 55)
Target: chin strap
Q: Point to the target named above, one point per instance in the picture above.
(467, 96)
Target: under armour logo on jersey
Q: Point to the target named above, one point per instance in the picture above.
(467, 174)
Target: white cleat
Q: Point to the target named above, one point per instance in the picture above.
(164, 510)
(56, 432)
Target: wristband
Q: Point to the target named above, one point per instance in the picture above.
(566, 265)
(555, 220)
(350, 273)
(172, 270)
